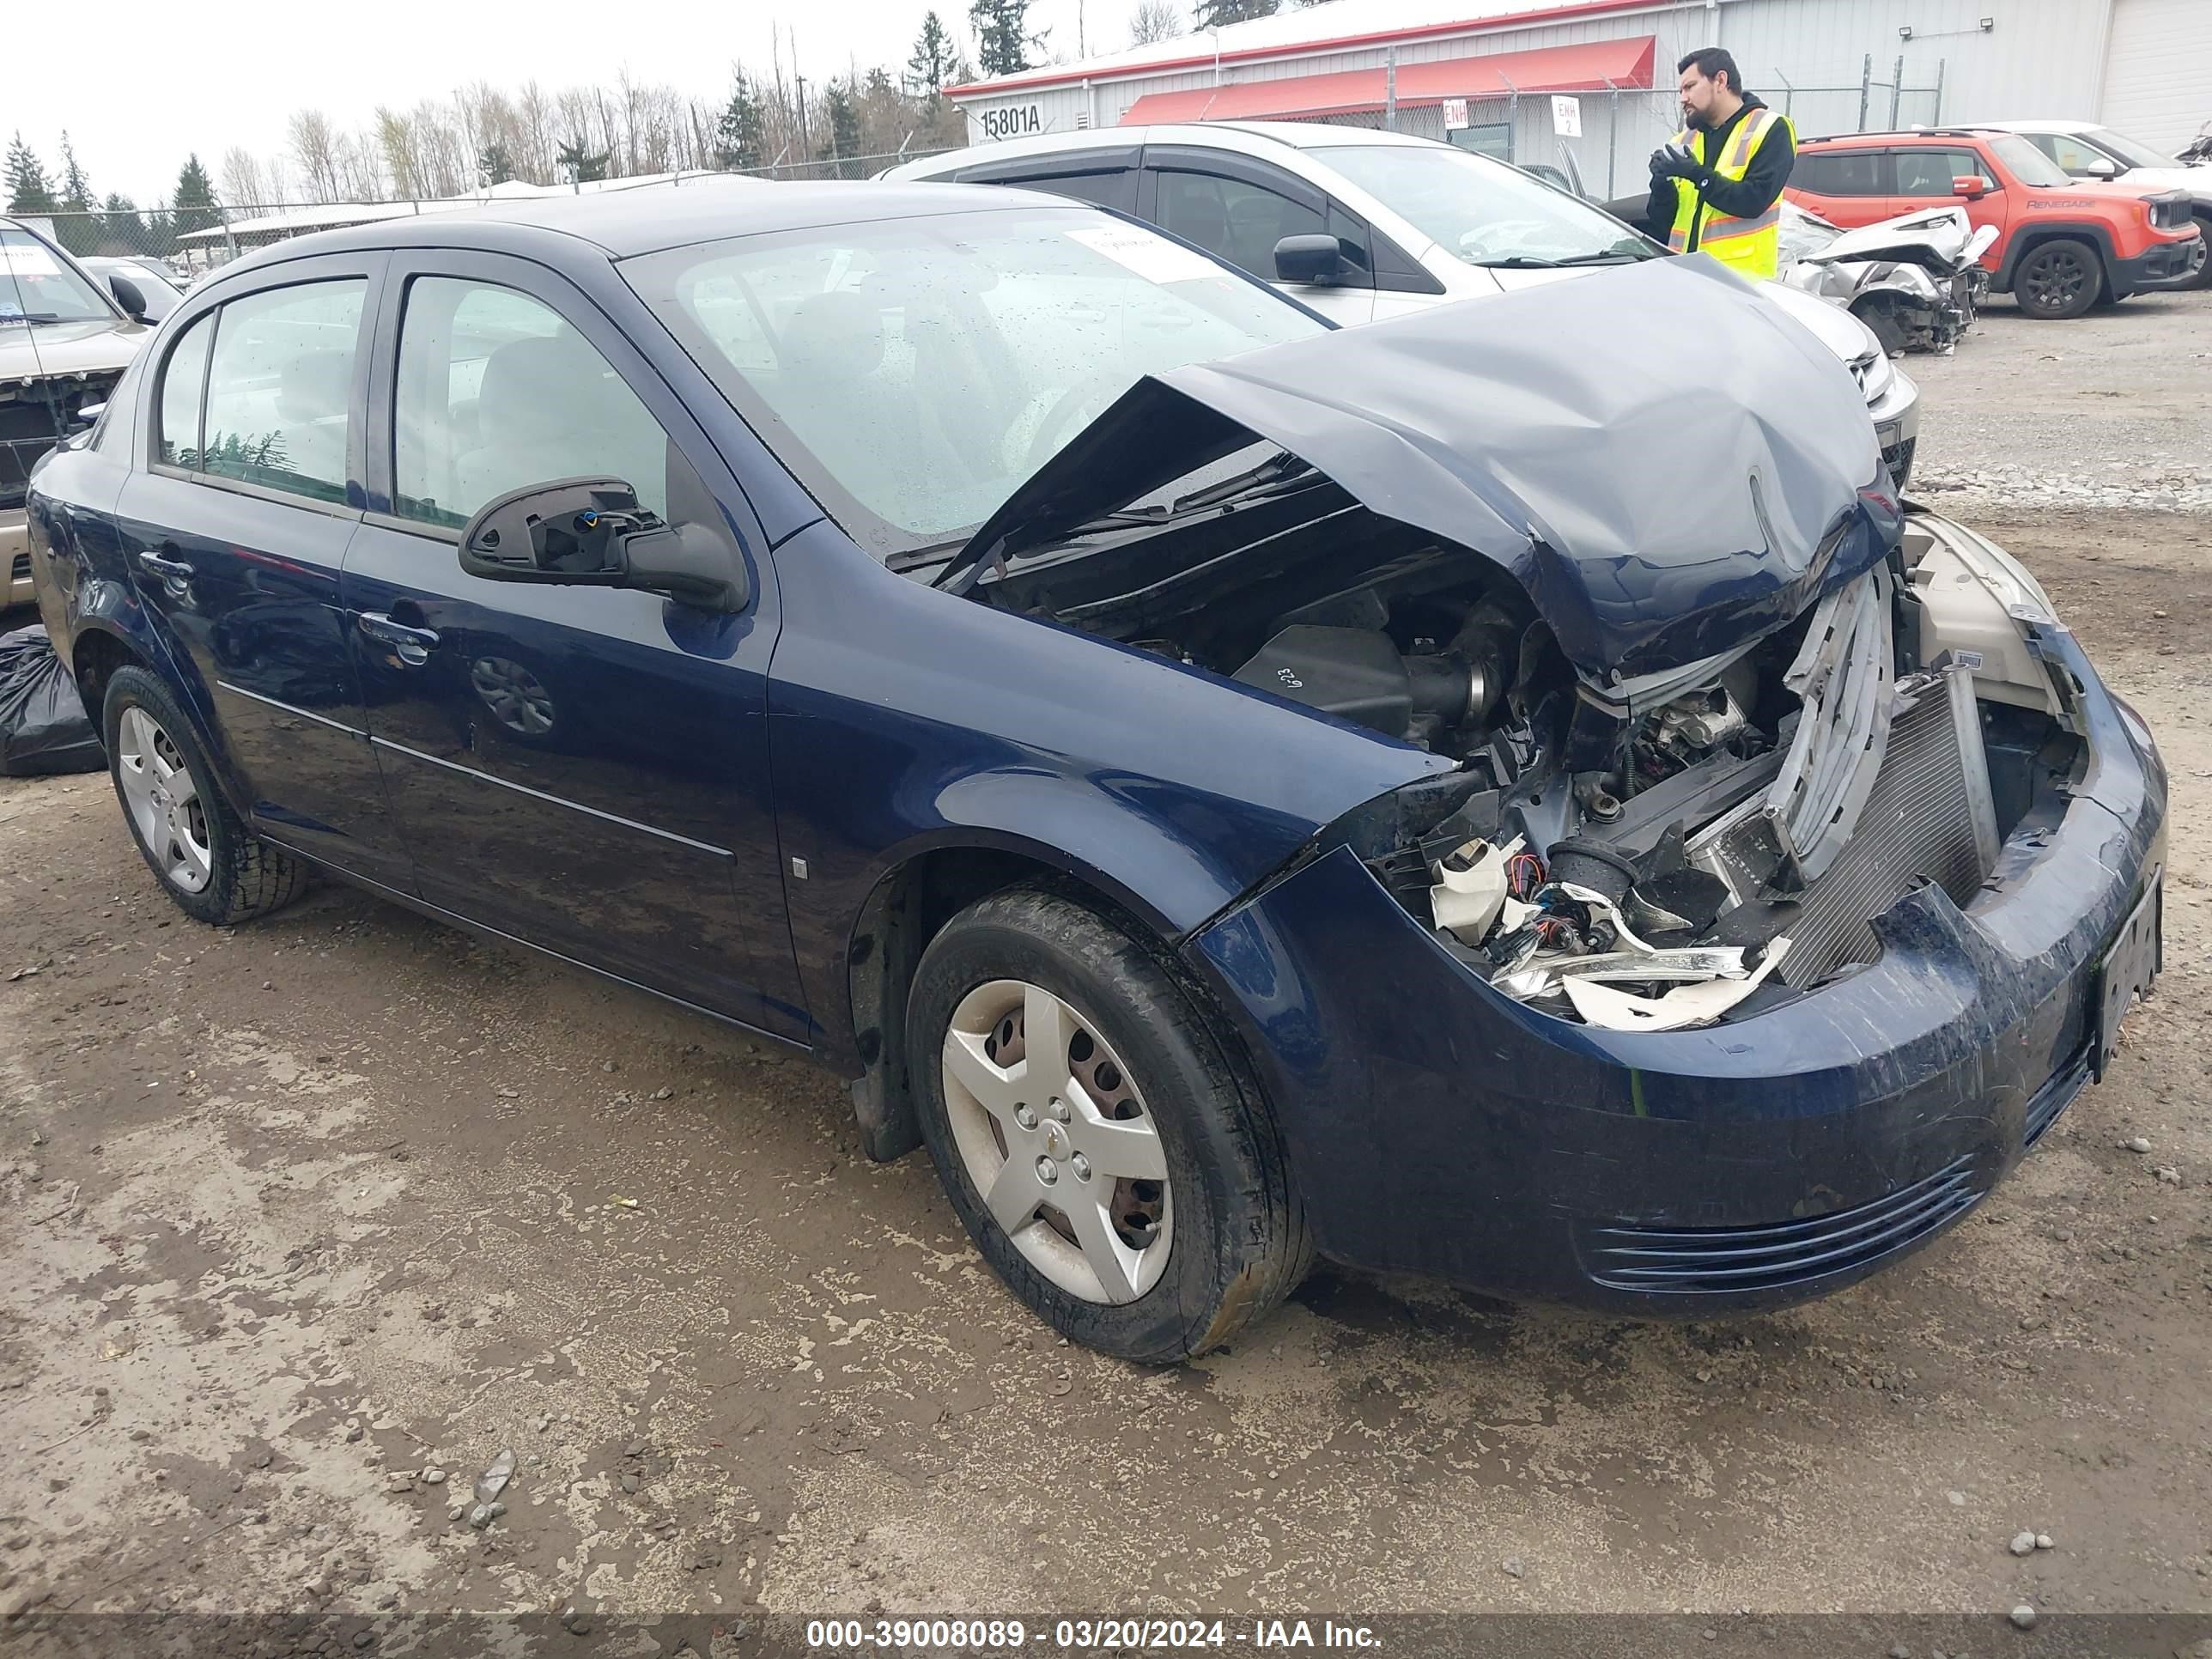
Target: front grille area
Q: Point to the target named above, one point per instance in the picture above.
(1898, 457)
(2054, 1097)
(1721, 1261)
(37, 417)
(1929, 817)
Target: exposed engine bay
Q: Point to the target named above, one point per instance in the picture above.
(1664, 850)
(1713, 701)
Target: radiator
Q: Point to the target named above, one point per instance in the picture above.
(1928, 817)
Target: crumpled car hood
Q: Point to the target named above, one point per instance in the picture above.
(1667, 464)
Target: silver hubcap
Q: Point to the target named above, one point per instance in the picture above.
(1057, 1139)
(517, 698)
(164, 802)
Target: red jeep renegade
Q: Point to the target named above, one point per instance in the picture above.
(2062, 244)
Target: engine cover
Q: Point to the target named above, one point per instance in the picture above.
(1355, 673)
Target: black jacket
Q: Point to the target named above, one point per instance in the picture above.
(1740, 198)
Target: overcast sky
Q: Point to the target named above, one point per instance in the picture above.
(153, 81)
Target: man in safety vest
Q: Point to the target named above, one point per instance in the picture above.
(1716, 186)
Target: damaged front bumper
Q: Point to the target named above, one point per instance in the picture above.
(1439, 1127)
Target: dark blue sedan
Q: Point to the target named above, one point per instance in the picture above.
(1509, 795)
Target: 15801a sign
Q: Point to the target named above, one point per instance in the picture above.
(1013, 121)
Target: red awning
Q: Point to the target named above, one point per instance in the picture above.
(1625, 64)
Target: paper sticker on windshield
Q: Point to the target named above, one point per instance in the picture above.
(1151, 257)
(26, 259)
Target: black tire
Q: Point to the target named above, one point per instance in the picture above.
(2058, 280)
(247, 877)
(1240, 1243)
(2203, 277)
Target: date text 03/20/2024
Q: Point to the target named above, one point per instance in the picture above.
(1081, 1634)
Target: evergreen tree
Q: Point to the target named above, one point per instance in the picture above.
(78, 227)
(581, 164)
(844, 129)
(27, 189)
(493, 165)
(121, 230)
(741, 131)
(1003, 42)
(1220, 13)
(193, 206)
(936, 59)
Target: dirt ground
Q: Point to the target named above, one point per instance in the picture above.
(293, 1217)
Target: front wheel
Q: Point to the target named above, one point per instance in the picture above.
(2058, 280)
(207, 860)
(1102, 1143)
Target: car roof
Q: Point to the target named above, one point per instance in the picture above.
(621, 224)
(1245, 138)
(2046, 127)
(1909, 134)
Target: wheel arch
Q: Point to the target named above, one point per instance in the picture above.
(908, 905)
(2030, 237)
(95, 655)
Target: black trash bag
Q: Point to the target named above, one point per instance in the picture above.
(43, 727)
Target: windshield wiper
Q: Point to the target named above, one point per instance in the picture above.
(1519, 262)
(30, 317)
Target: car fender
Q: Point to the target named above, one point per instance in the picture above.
(1167, 791)
(2029, 233)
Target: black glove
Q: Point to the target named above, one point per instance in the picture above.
(1674, 162)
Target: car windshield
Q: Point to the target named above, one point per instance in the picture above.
(2026, 163)
(38, 285)
(913, 371)
(1483, 212)
(2135, 154)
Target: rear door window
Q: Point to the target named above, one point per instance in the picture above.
(1843, 172)
(280, 388)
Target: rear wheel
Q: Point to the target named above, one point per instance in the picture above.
(1101, 1141)
(2203, 277)
(2058, 279)
(206, 860)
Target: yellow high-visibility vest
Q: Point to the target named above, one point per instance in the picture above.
(1750, 247)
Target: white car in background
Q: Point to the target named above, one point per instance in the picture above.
(2084, 149)
(1363, 225)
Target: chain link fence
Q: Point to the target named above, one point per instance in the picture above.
(1871, 105)
(185, 243)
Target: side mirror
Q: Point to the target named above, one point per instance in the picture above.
(591, 532)
(2102, 166)
(128, 296)
(1313, 259)
(88, 414)
(1969, 185)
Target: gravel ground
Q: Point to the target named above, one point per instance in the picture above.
(2108, 411)
(304, 1223)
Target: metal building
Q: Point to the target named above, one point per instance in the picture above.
(1486, 73)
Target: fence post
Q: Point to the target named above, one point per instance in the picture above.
(1896, 91)
(1788, 92)
(1612, 133)
(1389, 88)
(1866, 82)
(1936, 115)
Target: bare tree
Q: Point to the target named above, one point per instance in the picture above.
(314, 148)
(1155, 20)
(248, 181)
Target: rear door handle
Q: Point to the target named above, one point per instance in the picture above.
(411, 645)
(174, 570)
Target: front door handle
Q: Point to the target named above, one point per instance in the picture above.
(410, 645)
(173, 570)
